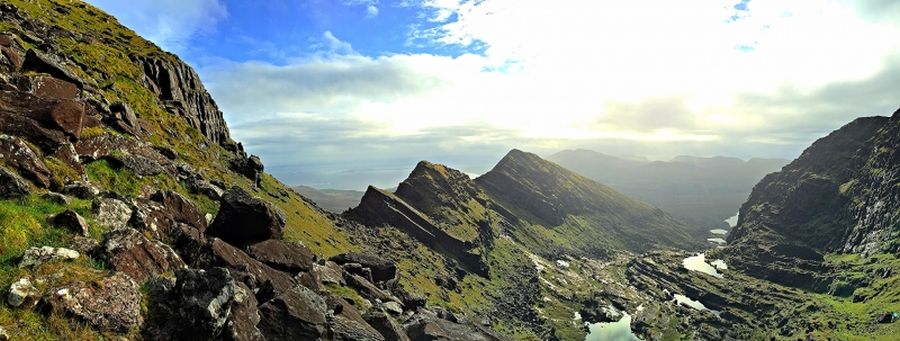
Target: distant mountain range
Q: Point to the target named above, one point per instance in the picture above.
(703, 192)
(332, 200)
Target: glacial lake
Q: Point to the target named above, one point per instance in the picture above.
(687, 301)
(612, 331)
(733, 220)
(698, 263)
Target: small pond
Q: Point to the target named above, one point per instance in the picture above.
(698, 263)
(612, 331)
(687, 301)
(733, 220)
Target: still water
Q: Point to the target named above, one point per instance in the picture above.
(612, 331)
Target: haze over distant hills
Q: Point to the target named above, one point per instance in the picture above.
(699, 190)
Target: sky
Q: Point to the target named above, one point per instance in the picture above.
(346, 93)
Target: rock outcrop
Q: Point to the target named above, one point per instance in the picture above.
(840, 195)
(244, 220)
(179, 88)
(112, 304)
(381, 208)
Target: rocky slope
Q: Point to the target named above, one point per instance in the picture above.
(576, 213)
(839, 196)
(127, 211)
(488, 245)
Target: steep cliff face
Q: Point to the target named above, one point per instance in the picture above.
(839, 196)
(179, 88)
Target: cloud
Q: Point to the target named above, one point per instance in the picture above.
(370, 5)
(742, 78)
(171, 24)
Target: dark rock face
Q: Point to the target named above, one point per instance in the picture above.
(39, 62)
(264, 280)
(128, 251)
(283, 255)
(48, 87)
(71, 220)
(202, 305)
(180, 209)
(382, 269)
(838, 196)
(112, 304)
(386, 325)
(12, 186)
(251, 167)
(180, 89)
(346, 323)
(298, 314)
(244, 220)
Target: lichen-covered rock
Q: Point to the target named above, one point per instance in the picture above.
(298, 314)
(39, 255)
(345, 322)
(241, 325)
(367, 289)
(17, 155)
(111, 213)
(244, 219)
(330, 273)
(283, 255)
(22, 294)
(264, 280)
(128, 251)
(200, 305)
(112, 304)
(71, 220)
(12, 186)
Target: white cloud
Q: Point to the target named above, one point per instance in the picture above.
(370, 5)
(640, 77)
(169, 23)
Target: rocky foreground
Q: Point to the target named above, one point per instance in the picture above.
(127, 211)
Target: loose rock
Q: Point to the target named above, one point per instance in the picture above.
(22, 294)
(382, 269)
(12, 186)
(128, 251)
(244, 219)
(283, 255)
(81, 190)
(298, 314)
(71, 220)
(39, 255)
